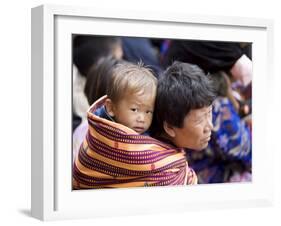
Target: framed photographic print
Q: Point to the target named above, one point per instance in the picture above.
(65, 174)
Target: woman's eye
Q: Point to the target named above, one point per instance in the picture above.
(149, 112)
(133, 109)
(200, 121)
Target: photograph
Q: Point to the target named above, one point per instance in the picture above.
(160, 112)
(142, 113)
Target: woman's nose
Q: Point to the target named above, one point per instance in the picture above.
(209, 126)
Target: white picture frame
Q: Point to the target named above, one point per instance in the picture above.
(52, 195)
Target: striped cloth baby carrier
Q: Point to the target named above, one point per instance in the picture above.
(115, 156)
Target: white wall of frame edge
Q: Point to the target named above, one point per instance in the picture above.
(48, 188)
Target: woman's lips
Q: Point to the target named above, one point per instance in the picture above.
(206, 139)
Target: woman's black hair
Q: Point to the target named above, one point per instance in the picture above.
(181, 88)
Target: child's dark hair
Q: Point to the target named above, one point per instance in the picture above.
(98, 78)
(181, 88)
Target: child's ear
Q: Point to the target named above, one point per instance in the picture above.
(109, 106)
(169, 129)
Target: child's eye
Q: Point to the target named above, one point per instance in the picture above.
(149, 112)
(134, 109)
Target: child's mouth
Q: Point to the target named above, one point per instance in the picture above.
(138, 129)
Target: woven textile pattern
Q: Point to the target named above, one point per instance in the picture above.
(115, 156)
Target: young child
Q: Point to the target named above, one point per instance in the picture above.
(130, 97)
(115, 153)
(96, 84)
(87, 51)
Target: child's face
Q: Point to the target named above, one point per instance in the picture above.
(135, 111)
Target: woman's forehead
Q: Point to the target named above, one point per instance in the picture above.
(198, 113)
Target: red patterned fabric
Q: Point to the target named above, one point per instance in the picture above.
(113, 156)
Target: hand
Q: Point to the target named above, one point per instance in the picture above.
(243, 70)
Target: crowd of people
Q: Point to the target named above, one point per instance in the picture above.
(155, 112)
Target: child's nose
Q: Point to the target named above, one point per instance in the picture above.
(140, 117)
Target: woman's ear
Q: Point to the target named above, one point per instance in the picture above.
(169, 129)
(109, 106)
